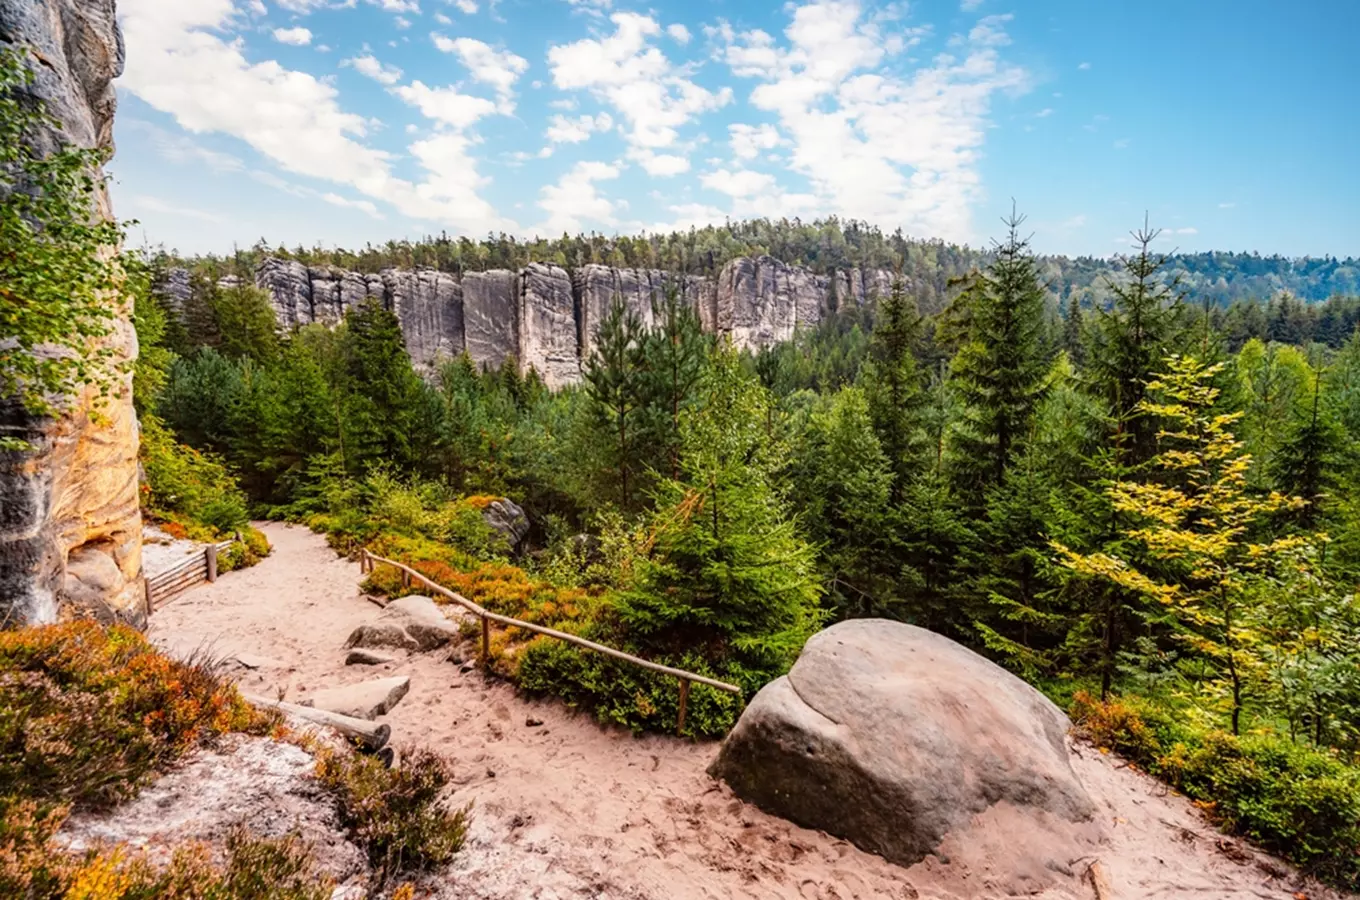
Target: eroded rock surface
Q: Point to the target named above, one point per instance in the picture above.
(365, 700)
(75, 494)
(896, 738)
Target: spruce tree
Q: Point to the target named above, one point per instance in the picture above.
(384, 391)
(675, 351)
(1129, 341)
(843, 482)
(999, 371)
(892, 382)
(616, 377)
(1305, 464)
(730, 574)
(1074, 340)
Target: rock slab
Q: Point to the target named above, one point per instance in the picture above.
(366, 700)
(897, 738)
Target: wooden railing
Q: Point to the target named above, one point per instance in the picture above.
(367, 559)
(165, 586)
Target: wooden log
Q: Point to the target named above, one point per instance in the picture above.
(210, 560)
(372, 736)
(684, 702)
(387, 756)
(1100, 882)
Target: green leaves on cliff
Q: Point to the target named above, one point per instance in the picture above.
(60, 275)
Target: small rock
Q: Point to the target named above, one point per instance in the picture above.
(532, 722)
(361, 657)
(366, 700)
(490, 773)
(466, 667)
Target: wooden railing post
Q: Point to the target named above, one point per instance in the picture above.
(211, 553)
(363, 561)
(684, 702)
(486, 643)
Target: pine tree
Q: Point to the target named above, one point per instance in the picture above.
(999, 372)
(730, 574)
(1129, 341)
(1208, 572)
(244, 322)
(615, 378)
(892, 383)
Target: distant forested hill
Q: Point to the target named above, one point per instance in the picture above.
(825, 246)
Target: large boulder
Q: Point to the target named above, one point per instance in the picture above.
(507, 517)
(898, 739)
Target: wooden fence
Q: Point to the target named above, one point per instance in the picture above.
(367, 559)
(166, 586)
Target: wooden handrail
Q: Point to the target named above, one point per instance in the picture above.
(368, 559)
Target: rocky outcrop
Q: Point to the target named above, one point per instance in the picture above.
(366, 700)
(70, 527)
(507, 517)
(897, 739)
(546, 317)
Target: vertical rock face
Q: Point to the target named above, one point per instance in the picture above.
(547, 317)
(547, 335)
(429, 305)
(290, 287)
(491, 316)
(70, 527)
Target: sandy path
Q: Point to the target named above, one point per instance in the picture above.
(570, 809)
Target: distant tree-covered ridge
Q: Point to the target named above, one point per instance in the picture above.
(927, 266)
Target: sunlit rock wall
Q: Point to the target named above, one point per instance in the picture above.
(70, 528)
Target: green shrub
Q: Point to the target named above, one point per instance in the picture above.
(1295, 801)
(187, 486)
(396, 815)
(248, 551)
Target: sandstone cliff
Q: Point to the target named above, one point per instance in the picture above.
(70, 528)
(547, 317)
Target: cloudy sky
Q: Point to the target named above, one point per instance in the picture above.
(338, 122)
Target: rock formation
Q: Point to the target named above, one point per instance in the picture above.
(70, 527)
(546, 317)
(898, 740)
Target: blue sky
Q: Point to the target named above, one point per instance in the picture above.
(339, 122)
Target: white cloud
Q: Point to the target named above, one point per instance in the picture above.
(1187, 231)
(397, 6)
(442, 19)
(748, 140)
(690, 215)
(446, 105)
(1121, 144)
(654, 96)
(1044, 113)
(969, 5)
(659, 165)
(1084, 66)
(678, 32)
(362, 205)
(1076, 221)
(402, 22)
(182, 61)
(298, 37)
(298, 6)
(1227, 205)
(563, 130)
(564, 103)
(574, 199)
(591, 7)
(875, 141)
(498, 68)
(739, 183)
(370, 67)
(157, 205)
(467, 7)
